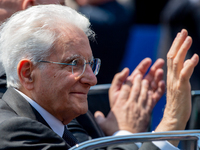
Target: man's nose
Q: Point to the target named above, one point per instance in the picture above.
(88, 76)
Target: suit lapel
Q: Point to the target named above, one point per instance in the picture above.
(21, 106)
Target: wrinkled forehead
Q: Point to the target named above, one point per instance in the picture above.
(72, 41)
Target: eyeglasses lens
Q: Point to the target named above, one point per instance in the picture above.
(79, 65)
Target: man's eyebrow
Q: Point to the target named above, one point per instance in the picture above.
(77, 56)
(72, 57)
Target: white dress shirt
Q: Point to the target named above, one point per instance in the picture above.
(55, 124)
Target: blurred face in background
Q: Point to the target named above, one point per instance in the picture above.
(62, 2)
(92, 2)
(9, 7)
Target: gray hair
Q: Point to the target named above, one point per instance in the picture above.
(31, 34)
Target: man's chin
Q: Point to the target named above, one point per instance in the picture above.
(84, 111)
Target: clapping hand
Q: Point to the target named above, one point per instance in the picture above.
(132, 98)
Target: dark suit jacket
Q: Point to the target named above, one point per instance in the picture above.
(22, 127)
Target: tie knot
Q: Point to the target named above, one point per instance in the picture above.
(69, 138)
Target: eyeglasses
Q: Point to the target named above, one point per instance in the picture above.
(78, 65)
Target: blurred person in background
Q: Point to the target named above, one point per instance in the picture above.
(8, 7)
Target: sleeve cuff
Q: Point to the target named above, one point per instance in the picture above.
(163, 145)
(124, 132)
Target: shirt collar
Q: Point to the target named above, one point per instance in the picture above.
(53, 122)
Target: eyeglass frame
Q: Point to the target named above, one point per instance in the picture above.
(71, 64)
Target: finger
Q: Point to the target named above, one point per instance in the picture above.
(125, 91)
(157, 65)
(159, 92)
(136, 88)
(119, 79)
(189, 66)
(180, 57)
(142, 68)
(159, 74)
(150, 103)
(178, 41)
(99, 117)
(144, 93)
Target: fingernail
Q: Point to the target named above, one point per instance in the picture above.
(195, 57)
(188, 39)
(178, 34)
(182, 33)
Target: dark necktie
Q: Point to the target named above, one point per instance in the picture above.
(78, 131)
(69, 138)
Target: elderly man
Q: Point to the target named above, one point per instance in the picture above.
(50, 68)
(154, 78)
(8, 7)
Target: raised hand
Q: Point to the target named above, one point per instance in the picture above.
(154, 77)
(132, 98)
(178, 106)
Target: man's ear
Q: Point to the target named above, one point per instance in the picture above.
(24, 70)
(27, 3)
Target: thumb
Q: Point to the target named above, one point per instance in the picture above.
(99, 117)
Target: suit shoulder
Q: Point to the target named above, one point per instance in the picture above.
(5, 111)
(22, 132)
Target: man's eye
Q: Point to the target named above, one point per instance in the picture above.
(75, 62)
(78, 62)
